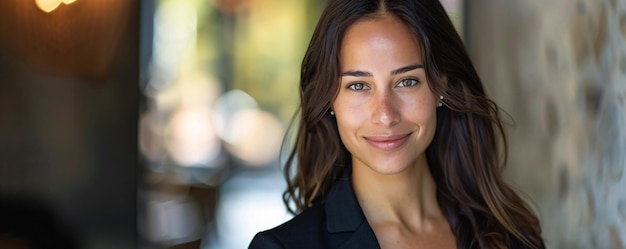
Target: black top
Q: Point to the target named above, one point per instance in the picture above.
(337, 223)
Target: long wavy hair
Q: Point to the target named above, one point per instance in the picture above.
(468, 149)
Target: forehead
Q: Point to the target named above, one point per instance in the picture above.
(381, 40)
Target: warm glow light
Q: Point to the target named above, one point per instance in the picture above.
(50, 5)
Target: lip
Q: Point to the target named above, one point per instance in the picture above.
(388, 142)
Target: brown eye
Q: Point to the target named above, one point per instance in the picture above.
(408, 82)
(357, 86)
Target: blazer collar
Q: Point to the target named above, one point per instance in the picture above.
(344, 215)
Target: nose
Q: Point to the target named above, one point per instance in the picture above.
(384, 109)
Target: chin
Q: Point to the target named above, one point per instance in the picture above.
(389, 167)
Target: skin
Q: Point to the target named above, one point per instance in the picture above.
(386, 116)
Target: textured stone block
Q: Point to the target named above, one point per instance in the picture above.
(559, 69)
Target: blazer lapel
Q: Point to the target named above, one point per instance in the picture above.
(345, 222)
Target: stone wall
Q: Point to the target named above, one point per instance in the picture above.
(559, 69)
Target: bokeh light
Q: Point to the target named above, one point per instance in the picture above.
(221, 88)
(50, 5)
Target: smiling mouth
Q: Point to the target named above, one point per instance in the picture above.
(388, 143)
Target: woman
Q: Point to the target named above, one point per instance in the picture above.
(398, 145)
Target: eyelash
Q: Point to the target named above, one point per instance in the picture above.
(352, 86)
(405, 80)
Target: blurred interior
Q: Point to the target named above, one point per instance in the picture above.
(160, 123)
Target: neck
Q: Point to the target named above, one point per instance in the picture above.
(408, 197)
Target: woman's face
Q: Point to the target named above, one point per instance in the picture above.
(385, 111)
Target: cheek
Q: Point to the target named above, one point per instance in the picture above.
(428, 115)
(422, 99)
(350, 117)
(420, 109)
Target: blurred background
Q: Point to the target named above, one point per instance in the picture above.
(159, 123)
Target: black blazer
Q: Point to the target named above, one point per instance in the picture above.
(336, 223)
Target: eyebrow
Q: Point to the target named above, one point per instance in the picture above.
(358, 73)
(406, 69)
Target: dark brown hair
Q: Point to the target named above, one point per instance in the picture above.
(469, 146)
